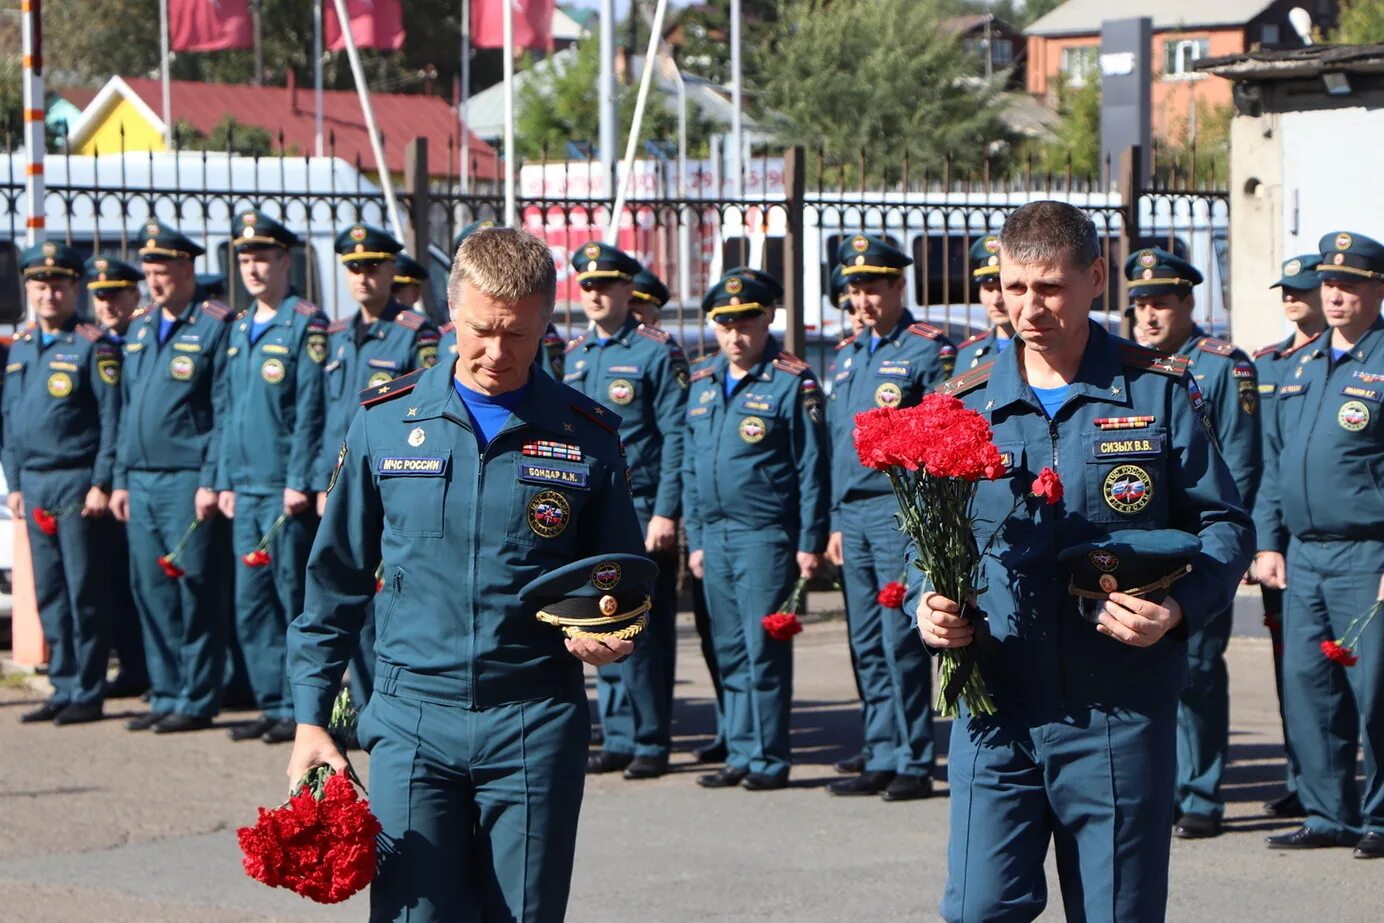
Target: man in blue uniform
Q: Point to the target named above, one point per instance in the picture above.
(409, 279)
(165, 480)
(892, 363)
(61, 407)
(640, 373)
(1322, 487)
(1082, 749)
(985, 275)
(1302, 306)
(465, 482)
(270, 450)
(648, 297)
(755, 509)
(1161, 286)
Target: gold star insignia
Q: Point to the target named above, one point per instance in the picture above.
(1114, 391)
(567, 428)
(989, 405)
(413, 411)
(382, 389)
(598, 410)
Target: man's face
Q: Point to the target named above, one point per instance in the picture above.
(497, 340)
(1164, 320)
(53, 299)
(112, 307)
(370, 282)
(742, 339)
(407, 294)
(878, 301)
(1350, 303)
(264, 270)
(992, 300)
(1303, 306)
(606, 301)
(1049, 305)
(646, 312)
(171, 283)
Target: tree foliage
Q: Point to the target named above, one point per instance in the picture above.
(1361, 22)
(226, 135)
(1077, 145)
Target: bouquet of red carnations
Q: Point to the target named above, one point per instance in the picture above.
(934, 455)
(320, 843)
(782, 624)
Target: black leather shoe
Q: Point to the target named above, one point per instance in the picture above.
(646, 767)
(1371, 846)
(124, 687)
(281, 732)
(145, 721)
(759, 782)
(605, 761)
(1197, 827)
(851, 765)
(1286, 806)
(177, 724)
(45, 712)
(725, 777)
(79, 714)
(712, 753)
(251, 730)
(867, 783)
(908, 788)
(1305, 837)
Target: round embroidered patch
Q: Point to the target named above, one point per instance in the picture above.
(1128, 489)
(182, 368)
(606, 575)
(417, 437)
(620, 391)
(1103, 561)
(992, 245)
(1148, 259)
(1293, 268)
(59, 384)
(357, 233)
(377, 379)
(549, 513)
(272, 371)
(888, 395)
(752, 429)
(1353, 416)
(734, 286)
(1343, 241)
(860, 244)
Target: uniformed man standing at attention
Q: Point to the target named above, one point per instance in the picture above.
(1161, 286)
(466, 482)
(165, 480)
(61, 408)
(1302, 306)
(641, 374)
(985, 274)
(409, 279)
(892, 363)
(270, 449)
(648, 298)
(1081, 751)
(755, 506)
(1323, 487)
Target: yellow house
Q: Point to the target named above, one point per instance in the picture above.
(116, 120)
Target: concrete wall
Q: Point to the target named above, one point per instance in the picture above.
(1256, 229)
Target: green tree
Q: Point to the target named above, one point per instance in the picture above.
(1361, 22)
(1202, 159)
(226, 135)
(1077, 145)
(705, 30)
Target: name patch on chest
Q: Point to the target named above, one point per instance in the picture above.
(549, 474)
(1290, 390)
(188, 347)
(758, 402)
(894, 368)
(382, 364)
(698, 411)
(1144, 445)
(1369, 394)
(274, 349)
(426, 466)
(624, 369)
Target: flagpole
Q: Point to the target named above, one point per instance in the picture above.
(318, 137)
(31, 12)
(358, 73)
(465, 170)
(737, 137)
(511, 210)
(163, 76)
(612, 234)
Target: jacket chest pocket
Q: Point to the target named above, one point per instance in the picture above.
(620, 389)
(181, 366)
(336, 374)
(890, 389)
(756, 430)
(1126, 477)
(413, 489)
(545, 501)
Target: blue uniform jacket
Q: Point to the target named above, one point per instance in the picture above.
(906, 364)
(975, 350)
(62, 403)
(758, 458)
(641, 374)
(457, 532)
(399, 342)
(1134, 450)
(169, 420)
(1228, 382)
(1326, 481)
(1269, 363)
(275, 402)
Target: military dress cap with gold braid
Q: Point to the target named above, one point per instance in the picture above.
(50, 260)
(649, 288)
(1347, 255)
(255, 230)
(160, 242)
(596, 261)
(363, 244)
(472, 228)
(106, 272)
(985, 258)
(865, 255)
(213, 283)
(607, 596)
(760, 276)
(1152, 271)
(839, 295)
(408, 271)
(738, 296)
(1138, 562)
(1300, 273)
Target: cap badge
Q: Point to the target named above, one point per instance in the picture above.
(860, 244)
(734, 286)
(102, 264)
(592, 251)
(249, 231)
(606, 575)
(1339, 259)
(1103, 561)
(1108, 583)
(50, 249)
(1148, 260)
(609, 605)
(992, 245)
(1343, 241)
(358, 233)
(151, 229)
(1147, 274)
(1292, 268)
(248, 218)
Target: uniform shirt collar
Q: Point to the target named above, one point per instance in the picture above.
(1367, 344)
(380, 325)
(906, 320)
(1100, 377)
(763, 370)
(1193, 338)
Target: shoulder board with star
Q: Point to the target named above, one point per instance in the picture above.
(306, 308)
(410, 319)
(787, 362)
(447, 328)
(575, 341)
(390, 389)
(339, 326)
(142, 311)
(653, 333)
(596, 413)
(704, 358)
(967, 381)
(217, 310)
(1216, 347)
(846, 342)
(1293, 350)
(1270, 350)
(973, 339)
(702, 373)
(91, 332)
(1141, 357)
(927, 330)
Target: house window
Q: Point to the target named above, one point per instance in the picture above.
(1180, 54)
(1002, 51)
(1269, 34)
(1078, 63)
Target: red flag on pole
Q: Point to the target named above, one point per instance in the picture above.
(209, 25)
(374, 23)
(533, 24)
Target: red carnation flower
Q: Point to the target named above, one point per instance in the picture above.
(47, 523)
(782, 626)
(891, 595)
(257, 558)
(1048, 486)
(1340, 654)
(170, 570)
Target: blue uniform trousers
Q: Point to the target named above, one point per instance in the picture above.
(1332, 709)
(749, 573)
(127, 636)
(268, 598)
(1273, 621)
(893, 670)
(72, 584)
(184, 620)
(478, 806)
(702, 620)
(635, 698)
(1203, 721)
(1096, 781)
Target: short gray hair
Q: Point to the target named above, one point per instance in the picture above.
(506, 263)
(1050, 232)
